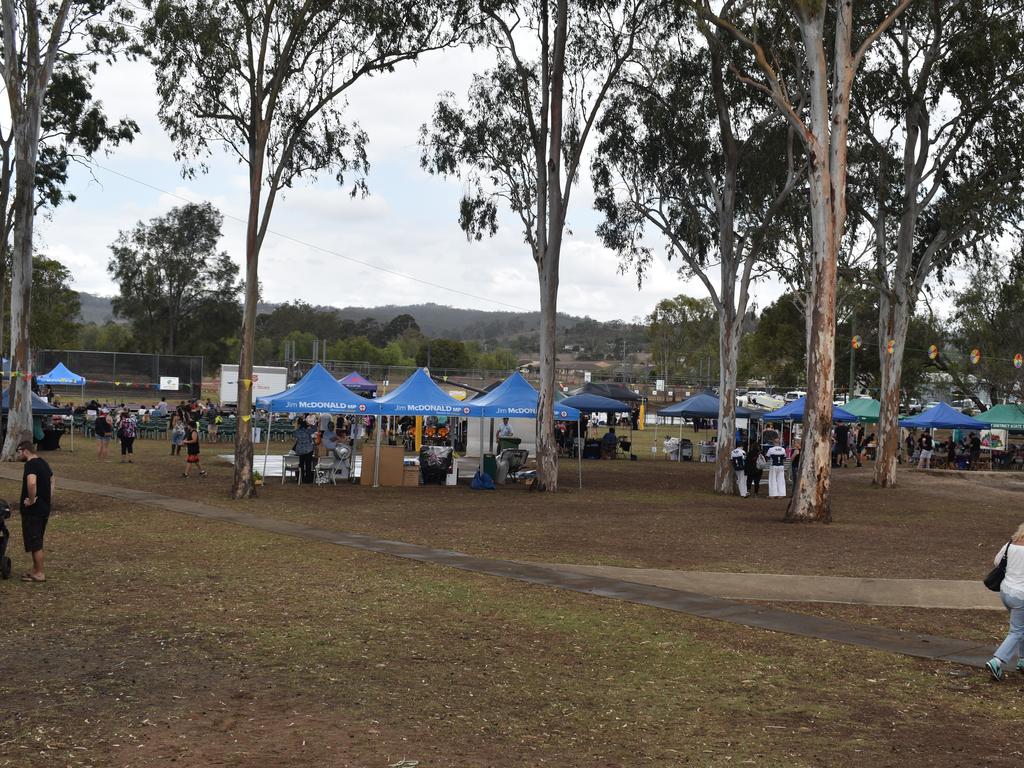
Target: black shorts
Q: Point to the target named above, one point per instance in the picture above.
(33, 526)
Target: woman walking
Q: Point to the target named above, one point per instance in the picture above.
(126, 431)
(192, 450)
(1012, 593)
(104, 429)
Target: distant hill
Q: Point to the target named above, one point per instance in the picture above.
(95, 309)
(439, 321)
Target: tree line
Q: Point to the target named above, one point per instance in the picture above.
(843, 147)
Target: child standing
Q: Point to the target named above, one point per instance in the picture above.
(192, 450)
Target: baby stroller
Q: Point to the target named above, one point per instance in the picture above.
(5, 537)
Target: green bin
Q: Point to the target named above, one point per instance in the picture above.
(490, 465)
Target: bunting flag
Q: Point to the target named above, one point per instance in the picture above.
(933, 352)
(856, 342)
(891, 346)
(246, 419)
(1018, 360)
(975, 356)
(247, 383)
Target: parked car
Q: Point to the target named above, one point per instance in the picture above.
(929, 404)
(914, 406)
(796, 394)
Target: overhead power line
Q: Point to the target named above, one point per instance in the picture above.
(322, 249)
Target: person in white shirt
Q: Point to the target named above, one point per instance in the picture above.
(776, 471)
(1012, 593)
(738, 457)
(505, 430)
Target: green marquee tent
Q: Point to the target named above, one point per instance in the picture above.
(864, 408)
(1005, 416)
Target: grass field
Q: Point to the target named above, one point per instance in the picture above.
(165, 640)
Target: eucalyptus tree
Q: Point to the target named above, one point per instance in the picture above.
(707, 164)
(940, 114)
(520, 140)
(36, 35)
(823, 127)
(264, 81)
(73, 128)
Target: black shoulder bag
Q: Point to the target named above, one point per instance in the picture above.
(994, 580)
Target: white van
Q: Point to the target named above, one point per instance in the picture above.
(796, 394)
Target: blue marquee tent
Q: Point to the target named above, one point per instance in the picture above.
(61, 375)
(594, 404)
(419, 395)
(516, 398)
(317, 392)
(39, 406)
(358, 383)
(942, 416)
(794, 411)
(701, 406)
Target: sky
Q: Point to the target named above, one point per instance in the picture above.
(325, 245)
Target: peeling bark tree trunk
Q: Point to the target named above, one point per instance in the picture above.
(894, 320)
(26, 81)
(19, 419)
(550, 227)
(728, 352)
(242, 484)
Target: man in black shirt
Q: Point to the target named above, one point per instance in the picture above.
(975, 454)
(36, 495)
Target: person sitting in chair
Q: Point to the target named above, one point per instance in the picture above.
(505, 430)
(609, 443)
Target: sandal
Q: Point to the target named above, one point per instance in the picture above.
(203, 473)
(32, 579)
(184, 474)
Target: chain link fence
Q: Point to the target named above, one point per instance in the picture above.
(129, 377)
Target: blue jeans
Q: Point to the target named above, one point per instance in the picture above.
(1014, 642)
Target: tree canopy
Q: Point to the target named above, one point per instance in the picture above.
(177, 289)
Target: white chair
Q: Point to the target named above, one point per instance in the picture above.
(336, 463)
(290, 463)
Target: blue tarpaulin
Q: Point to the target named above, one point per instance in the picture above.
(39, 406)
(942, 416)
(700, 406)
(515, 398)
(794, 411)
(594, 404)
(419, 396)
(358, 383)
(317, 392)
(61, 375)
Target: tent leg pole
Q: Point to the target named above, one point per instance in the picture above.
(267, 451)
(481, 445)
(376, 457)
(579, 459)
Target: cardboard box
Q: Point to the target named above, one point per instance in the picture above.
(391, 465)
(411, 476)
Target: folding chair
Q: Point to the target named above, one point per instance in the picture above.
(290, 463)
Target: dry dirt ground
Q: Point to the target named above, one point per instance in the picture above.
(163, 640)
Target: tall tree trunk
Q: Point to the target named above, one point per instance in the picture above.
(893, 322)
(26, 143)
(812, 497)
(242, 484)
(728, 353)
(547, 448)
(549, 252)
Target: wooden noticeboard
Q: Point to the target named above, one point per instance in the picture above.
(391, 465)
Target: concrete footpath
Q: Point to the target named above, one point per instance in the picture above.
(573, 578)
(910, 593)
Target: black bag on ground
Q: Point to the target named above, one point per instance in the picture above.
(995, 577)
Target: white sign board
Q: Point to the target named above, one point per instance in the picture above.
(586, 376)
(169, 383)
(659, 385)
(266, 380)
